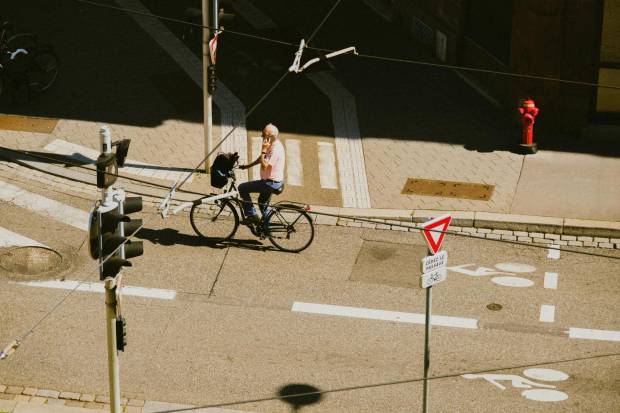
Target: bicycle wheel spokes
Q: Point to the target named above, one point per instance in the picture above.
(215, 221)
(290, 229)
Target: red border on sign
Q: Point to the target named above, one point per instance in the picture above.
(435, 225)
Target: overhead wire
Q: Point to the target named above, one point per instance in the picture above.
(385, 384)
(363, 55)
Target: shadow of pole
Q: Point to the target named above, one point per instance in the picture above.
(299, 395)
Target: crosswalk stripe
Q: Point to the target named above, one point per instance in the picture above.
(44, 206)
(90, 287)
(257, 144)
(294, 166)
(12, 239)
(84, 154)
(327, 165)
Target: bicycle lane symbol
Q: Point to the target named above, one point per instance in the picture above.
(504, 272)
(535, 391)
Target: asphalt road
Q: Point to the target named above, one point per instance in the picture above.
(230, 333)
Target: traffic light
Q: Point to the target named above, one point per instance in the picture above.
(212, 79)
(109, 229)
(107, 169)
(121, 333)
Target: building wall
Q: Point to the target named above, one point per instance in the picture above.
(608, 100)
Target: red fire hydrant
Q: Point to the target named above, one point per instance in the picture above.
(528, 111)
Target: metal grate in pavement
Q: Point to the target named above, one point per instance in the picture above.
(27, 124)
(448, 189)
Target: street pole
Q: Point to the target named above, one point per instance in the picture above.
(427, 336)
(113, 369)
(206, 62)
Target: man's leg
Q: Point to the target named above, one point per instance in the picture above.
(263, 201)
(245, 189)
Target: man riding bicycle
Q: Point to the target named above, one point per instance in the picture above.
(271, 160)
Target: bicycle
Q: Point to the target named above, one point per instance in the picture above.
(216, 218)
(25, 63)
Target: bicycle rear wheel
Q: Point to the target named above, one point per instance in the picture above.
(43, 69)
(289, 229)
(215, 221)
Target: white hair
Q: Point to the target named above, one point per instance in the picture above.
(272, 130)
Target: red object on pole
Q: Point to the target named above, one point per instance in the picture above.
(528, 111)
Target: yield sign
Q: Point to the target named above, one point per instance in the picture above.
(434, 232)
(213, 47)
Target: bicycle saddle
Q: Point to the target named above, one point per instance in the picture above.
(279, 190)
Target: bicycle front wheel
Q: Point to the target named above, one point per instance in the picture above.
(215, 221)
(43, 69)
(290, 229)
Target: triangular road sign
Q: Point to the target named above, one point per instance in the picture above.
(434, 232)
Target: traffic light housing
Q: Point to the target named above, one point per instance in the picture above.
(212, 79)
(109, 235)
(121, 333)
(107, 169)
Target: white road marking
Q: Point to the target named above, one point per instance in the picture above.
(349, 149)
(294, 167)
(551, 280)
(478, 272)
(585, 333)
(99, 288)
(554, 252)
(512, 281)
(327, 165)
(232, 111)
(12, 239)
(515, 267)
(257, 145)
(44, 206)
(372, 314)
(547, 313)
(85, 154)
(545, 374)
(544, 395)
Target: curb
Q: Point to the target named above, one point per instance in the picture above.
(511, 227)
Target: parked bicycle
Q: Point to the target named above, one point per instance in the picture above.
(25, 64)
(216, 217)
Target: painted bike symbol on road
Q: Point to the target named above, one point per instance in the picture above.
(505, 270)
(536, 391)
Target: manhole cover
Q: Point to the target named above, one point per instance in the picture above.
(448, 189)
(27, 124)
(389, 263)
(30, 260)
(494, 307)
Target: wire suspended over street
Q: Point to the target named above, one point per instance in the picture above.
(362, 55)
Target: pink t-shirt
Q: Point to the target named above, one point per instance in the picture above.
(275, 158)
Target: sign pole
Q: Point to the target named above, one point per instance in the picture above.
(427, 336)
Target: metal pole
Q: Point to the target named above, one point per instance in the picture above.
(427, 355)
(206, 62)
(113, 369)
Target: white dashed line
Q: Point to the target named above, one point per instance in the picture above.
(99, 288)
(554, 252)
(551, 280)
(547, 313)
(585, 333)
(372, 314)
(44, 206)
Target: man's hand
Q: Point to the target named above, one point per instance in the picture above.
(243, 167)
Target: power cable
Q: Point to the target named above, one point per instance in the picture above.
(384, 384)
(13, 345)
(367, 56)
(339, 216)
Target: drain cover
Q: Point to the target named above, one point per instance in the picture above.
(30, 260)
(448, 189)
(494, 307)
(27, 124)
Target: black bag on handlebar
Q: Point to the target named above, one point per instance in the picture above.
(220, 170)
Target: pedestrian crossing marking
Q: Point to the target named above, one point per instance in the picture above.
(84, 154)
(13, 239)
(294, 166)
(327, 165)
(44, 206)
